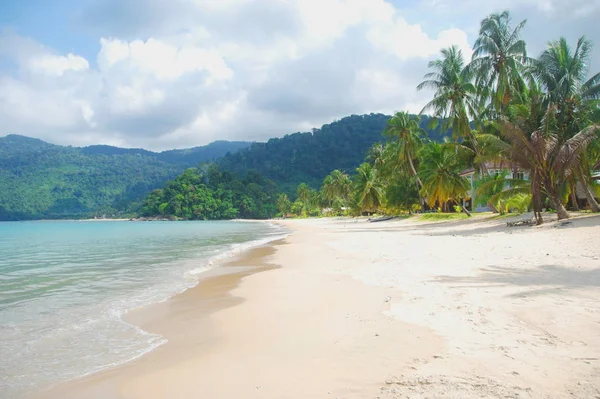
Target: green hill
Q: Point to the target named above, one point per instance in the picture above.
(40, 180)
(309, 157)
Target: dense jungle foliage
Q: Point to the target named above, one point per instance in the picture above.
(39, 180)
(208, 193)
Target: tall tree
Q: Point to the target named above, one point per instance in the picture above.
(455, 98)
(499, 60)
(563, 72)
(440, 173)
(409, 137)
(283, 204)
(537, 148)
(336, 188)
(368, 189)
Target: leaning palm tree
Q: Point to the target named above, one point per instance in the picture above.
(368, 188)
(499, 60)
(563, 72)
(409, 137)
(455, 98)
(440, 174)
(548, 159)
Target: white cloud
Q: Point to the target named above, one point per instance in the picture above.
(57, 65)
(185, 72)
(408, 41)
(164, 60)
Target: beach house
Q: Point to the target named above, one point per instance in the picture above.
(493, 169)
(509, 173)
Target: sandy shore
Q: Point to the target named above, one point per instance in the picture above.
(397, 309)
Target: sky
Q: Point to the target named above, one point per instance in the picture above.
(163, 74)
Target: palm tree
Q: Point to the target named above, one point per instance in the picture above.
(497, 190)
(306, 196)
(376, 156)
(455, 98)
(536, 146)
(563, 72)
(368, 188)
(283, 204)
(402, 194)
(519, 202)
(336, 188)
(440, 174)
(409, 136)
(499, 59)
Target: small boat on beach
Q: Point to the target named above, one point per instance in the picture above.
(380, 219)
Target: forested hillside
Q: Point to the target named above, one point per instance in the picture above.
(42, 180)
(309, 157)
(209, 193)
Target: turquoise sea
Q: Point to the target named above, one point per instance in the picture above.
(65, 285)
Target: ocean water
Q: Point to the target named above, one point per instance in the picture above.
(64, 287)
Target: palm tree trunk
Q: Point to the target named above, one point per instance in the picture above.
(574, 200)
(573, 185)
(413, 170)
(462, 207)
(594, 206)
(589, 195)
(536, 197)
(558, 206)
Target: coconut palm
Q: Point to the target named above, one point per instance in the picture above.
(307, 196)
(440, 173)
(376, 156)
(368, 189)
(336, 188)
(548, 159)
(402, 194)
(455, 98)
(563, 71)
(283, 204)
(519, 203)
(497, 190)
(499, 59)
(409, 137)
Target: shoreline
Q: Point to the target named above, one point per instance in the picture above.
(212, 292)
(393, 309)
(210, 267)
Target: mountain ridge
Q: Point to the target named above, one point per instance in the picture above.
(40, 180)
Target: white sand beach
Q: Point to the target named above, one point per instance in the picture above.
(395, 309)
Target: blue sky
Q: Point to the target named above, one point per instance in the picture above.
(53, 23)
(175, 73)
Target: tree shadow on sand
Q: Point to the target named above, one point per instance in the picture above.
(460, 228)
(396, 226)
(547, 279)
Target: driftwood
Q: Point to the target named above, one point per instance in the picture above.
(522, 222)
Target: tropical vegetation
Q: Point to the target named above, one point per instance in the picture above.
(505, 130)
(208, 193)
(39, 180)
(519, 133)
